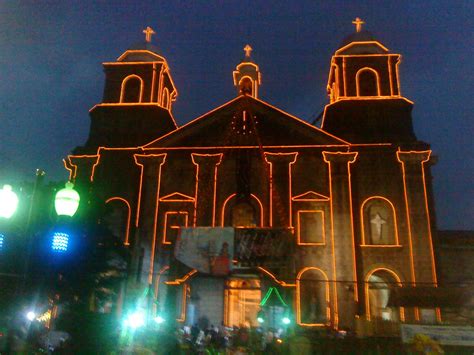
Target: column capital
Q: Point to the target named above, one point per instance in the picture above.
(413, 157)
(288, 158)
(199, 158)
(149, 159)
(340, 157)
(83, 164)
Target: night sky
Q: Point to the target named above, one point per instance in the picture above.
(51, 73)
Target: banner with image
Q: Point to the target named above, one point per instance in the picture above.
(209, 250)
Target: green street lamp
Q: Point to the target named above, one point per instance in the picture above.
(8, 202)
(67, 200)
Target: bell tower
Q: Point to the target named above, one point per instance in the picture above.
(138, 98)
(247, 77)
(366, 104)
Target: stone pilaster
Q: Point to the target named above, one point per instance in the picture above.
(148, 204)
(280, 188)
(417, 214)
(342, 238)
(205, 193)
(83, 167)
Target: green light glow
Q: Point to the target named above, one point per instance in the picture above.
(66, 201)
(269, 293)
(8, 202)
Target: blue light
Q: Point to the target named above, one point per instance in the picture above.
(1, 241)
(60, 242)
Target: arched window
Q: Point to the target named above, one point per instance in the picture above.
(379, 223)
(117, 217)
(242, 212)
(165, 99)
(378, 287)
(246, 86)
(312, 297)
(367, 82)
(132, 88)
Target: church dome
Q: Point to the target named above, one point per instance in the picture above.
(363, 42)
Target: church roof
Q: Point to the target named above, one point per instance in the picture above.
(363, 42)
(267, 126)
(141, 52)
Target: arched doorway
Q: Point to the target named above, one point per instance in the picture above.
(378, 288)
(312, 292)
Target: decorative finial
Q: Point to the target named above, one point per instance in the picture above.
(148, 33)
(247, 50)
(358, 23)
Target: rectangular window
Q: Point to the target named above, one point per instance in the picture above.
(173, 221)
(311, 227)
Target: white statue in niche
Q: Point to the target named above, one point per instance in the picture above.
(376, 234)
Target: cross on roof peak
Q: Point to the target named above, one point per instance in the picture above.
(148, 33)
(247, 50)
(358, 23)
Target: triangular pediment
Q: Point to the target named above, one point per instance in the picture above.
(177, 197)
(310, 196)
(246, 122)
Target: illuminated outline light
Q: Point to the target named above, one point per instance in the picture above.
(352, 157)
(218, 161)
(424, 157)
(2, 238)
(157, 285)
(176, 197)
(174, 226)
(269, 293)
(298, 298)
(183, 279)
(60, 242)
(129, 215)
(224, 205)
(377, 80)
(358, 43)
(194, 121)
(293, 157)
(281, 283)
(160, 160)
(124, 87)
(323, 227)
(310, 196)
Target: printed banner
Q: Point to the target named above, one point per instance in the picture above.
(263, 246)
(444, 335)
(207, 249)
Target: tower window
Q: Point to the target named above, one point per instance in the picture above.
(132, 88)
(246, 86)
(367, 81)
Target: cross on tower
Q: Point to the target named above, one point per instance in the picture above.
(247, 50)
(358, 23)
(148, 33)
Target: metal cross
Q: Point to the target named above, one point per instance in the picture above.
(358, 23)
(148, 33)
(247, 50)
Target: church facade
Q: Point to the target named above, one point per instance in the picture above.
(330, 218)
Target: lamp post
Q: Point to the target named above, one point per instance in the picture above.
(8, 202)
(66, 201)
(8, 206)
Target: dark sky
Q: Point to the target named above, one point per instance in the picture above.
(51, 74)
